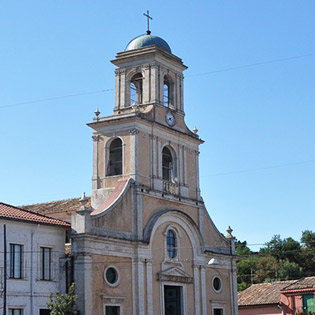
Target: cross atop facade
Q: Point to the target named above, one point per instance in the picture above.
(148, 21)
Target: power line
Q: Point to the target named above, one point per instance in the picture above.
(190, 75)
(251, 65)
(56, 98)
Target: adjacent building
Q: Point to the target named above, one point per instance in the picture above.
(282, 297)
(32, 247)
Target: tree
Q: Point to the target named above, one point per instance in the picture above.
(289, 270)
(283, 249)
(63, 304)
(308, 252)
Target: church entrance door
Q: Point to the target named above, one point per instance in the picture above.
(172, 300)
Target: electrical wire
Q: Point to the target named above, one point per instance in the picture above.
(190, 75)
(56, 98)
(251, 65)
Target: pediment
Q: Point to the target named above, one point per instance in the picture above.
(175, 274)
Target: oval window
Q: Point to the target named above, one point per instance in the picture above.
(111, 275)
(217, 284)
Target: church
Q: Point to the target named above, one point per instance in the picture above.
(144, 242)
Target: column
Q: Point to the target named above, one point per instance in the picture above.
(185, 166)
(133, 154)
(138, 287)
(149, 288)
(95, 162)
(197, 175)
(197, 290)
(203, 291)
(83, 280)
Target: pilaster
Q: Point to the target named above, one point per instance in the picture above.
(197, 290)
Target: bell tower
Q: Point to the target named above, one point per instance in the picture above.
(148, 73)
(146, 138)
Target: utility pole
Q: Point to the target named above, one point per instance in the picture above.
(5, 270)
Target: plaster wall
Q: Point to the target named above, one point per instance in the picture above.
(260, 310)
(30, 293)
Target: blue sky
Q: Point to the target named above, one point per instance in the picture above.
(249, 89)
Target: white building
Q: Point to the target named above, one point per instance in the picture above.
(35, 246)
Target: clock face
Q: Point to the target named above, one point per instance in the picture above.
(170, 119)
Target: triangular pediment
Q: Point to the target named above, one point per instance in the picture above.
(175, 274)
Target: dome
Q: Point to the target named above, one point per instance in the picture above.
(148, 40)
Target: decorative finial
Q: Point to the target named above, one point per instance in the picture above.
(97, 113)
(195, 130)
(148, 21)
(83, 200)
(229, 232)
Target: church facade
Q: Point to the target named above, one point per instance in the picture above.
(146, 243)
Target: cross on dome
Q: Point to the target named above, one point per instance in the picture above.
(147, 15)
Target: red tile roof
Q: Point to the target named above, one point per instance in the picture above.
(262, 293)
(14, 213)
(304, 283)
(59, 206)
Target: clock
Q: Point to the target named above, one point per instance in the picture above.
(170, 119)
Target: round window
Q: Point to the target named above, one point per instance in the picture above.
(111, 276)
(217, 284)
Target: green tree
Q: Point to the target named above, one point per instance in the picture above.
(283, 249)
(308, 252)
(289, 270)
(265, 269)
(63, 304)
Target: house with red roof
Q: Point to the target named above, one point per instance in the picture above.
(282, 297)
(299, 297)
(32, 250)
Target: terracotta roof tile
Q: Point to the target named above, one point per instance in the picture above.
(14, 213)
(66, 205)
(304, 283)
(262, 293)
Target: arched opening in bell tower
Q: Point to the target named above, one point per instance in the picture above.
(167, 91)
(114, 166)
(168, 165)
(136, 89)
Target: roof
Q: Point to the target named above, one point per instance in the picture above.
(148, 40)
(14, 213)
(262, 293)
(301, 284)
(59, 206)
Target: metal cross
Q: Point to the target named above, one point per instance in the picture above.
(148, 21)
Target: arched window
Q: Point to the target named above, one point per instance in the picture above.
(115, 158)
(167, 164)
(136, 89)
(171, 244)
(167, 92)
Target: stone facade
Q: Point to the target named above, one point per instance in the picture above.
(146, 244)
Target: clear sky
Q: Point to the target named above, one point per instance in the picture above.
(249, 89)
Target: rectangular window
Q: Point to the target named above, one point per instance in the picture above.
(43, 311)
(16, 253)
(15, 311)
(112, 310)
(218, 311)
(45, 256)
